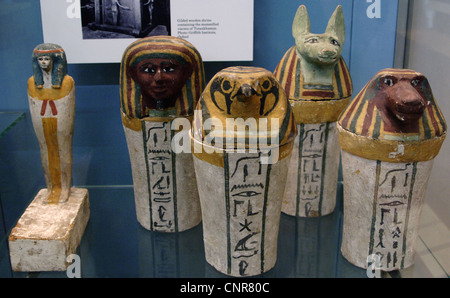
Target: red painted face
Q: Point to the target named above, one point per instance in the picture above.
(161, 81)
(403, 97)
(160, 78)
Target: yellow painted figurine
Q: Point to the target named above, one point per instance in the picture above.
(52, 226)
(51, 97)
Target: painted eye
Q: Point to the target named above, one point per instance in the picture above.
(335, 42)
(248, 193)
(158, 158)
(312, 40)
(227, 86)
(168, 69)
(415, 82)
(388, 82)
(147, 69)
(266, 85)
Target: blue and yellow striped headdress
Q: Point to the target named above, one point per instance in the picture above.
(167, 47)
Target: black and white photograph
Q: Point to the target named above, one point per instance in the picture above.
(98, 31)
(109, 19)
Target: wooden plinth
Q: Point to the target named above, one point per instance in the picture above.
(47, 233)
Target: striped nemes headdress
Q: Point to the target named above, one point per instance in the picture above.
(59, 69)
(363, 129)
(166, 47)
(314, 103)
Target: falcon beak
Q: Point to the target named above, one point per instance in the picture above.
(244, 91)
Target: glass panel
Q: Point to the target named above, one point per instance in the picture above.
(8, 120)
(427, 41)
(115, 245)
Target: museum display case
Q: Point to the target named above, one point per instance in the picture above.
(379, 34)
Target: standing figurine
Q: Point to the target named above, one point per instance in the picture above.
(242, 138)
(52, 226)
(51, 97)
(389, 136)
(318, 85)
(161, 79)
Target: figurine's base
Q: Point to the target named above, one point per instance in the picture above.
(47, 233)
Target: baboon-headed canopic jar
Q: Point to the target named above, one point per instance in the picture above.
(389, 136)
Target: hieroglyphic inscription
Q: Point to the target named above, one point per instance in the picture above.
(247, 195)
(311, 165)
(160, 175)
(391, 213)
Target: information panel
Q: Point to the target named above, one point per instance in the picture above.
(98, 31)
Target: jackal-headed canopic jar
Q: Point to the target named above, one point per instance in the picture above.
(318, 85)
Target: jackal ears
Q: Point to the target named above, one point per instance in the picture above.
(336, 24)
(301, 24)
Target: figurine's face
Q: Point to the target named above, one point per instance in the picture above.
(161, 78)
(45, 62)
(319, 48)
(403, 98)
